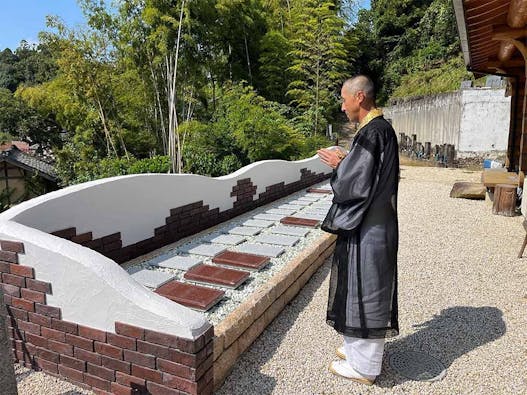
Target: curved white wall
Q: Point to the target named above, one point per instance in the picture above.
(135, 205)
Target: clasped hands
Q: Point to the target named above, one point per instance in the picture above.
(331, 157)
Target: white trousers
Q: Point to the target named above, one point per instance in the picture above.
(364, 355)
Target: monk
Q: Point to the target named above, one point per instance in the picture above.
(362, 303)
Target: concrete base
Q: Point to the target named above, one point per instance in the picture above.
(241, 328)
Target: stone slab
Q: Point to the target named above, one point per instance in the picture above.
(307, 198)
(258, 223)
(190, 295)
(289, 230)
(281, 211)
(177, 262)
(299, 202)
(243, 230)
(281, 240)
(204, 249)
(299, 221)
(310, 215)
(263, 250)
(468, 190)
(290, 206)
(151, 278)
(217, 275)
(269, 217)
(320, 190)
(241, 260)
(226, 239)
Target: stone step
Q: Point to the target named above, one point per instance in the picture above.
(263, 250)
(241, 260)
(289, 230)
(317, 215)
(217, 275)
(151, 278)
(310, 199)
(204, 249)
(269, 217)
(226, 239)
(299, 202)
(281, 211)
(244, 230)
(258, 223)
(176, 262)
(299, 221)
(190, 295)
(281, 240)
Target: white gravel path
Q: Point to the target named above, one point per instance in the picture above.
(462, 295)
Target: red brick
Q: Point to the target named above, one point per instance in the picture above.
(48, 355)
(60, 347)
(193, 346)
(37, 285)
(47, 366)
(180, 383)
(24, 271)
(8, 256)
(64, 326)
(87, 356)
(73, 363)
(129, 330)
(82, 238)
(152, 349)
(49, 311)
(39, 319)
(109, 350)
(101, 372)
(29, 327)
(158, 389)
(119, 389)
(121, 341)
(13, 246)
(163, 339)
(8, 300)
(97, 391)
(147, 374)
(16, 333)
(36, 340)
(126, 379)
(34, 296)
(94, 381)
(53, 334)
(115, 364)
(14, 280)
(23, 304)
(174, 368)
(202, 369)
(4, 267)
(92, 333)
(17, 313)
(81, 342)
(71, 374)
(138, 358)
(11, 290)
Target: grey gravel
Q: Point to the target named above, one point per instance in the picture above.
(462, 298)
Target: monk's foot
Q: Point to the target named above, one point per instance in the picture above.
(343, 369)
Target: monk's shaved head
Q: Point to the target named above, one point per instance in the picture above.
(361, 83)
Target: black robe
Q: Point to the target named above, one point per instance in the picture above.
(363, 285)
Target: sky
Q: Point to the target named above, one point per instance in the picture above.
(24, 19)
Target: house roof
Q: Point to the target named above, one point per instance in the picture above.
(28, 162)
(21, 145)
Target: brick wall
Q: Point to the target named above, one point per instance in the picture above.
(191, 218)
(132, 360)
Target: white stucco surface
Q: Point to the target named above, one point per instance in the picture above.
(92, 290)
(137, 204)
(474, 120)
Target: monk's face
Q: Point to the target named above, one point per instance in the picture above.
(351, 102)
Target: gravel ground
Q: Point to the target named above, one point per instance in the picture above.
(462, 298)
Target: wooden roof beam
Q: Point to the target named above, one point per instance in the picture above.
(496, 63)
(516, 18)
(504, 32)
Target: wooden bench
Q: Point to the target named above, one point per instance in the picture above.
(490, 178)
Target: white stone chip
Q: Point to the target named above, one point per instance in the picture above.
(226, 239)
(244, 230)
(263, 250)
(281, 240)
(177, 262)
(258, 223)
(289, 230)
(152, 278)
(204, 249)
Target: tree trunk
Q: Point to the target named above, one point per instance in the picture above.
(7, 373)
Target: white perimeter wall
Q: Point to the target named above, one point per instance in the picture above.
(474, 120)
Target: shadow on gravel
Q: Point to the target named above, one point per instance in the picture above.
(449, 335)
(246, 377)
